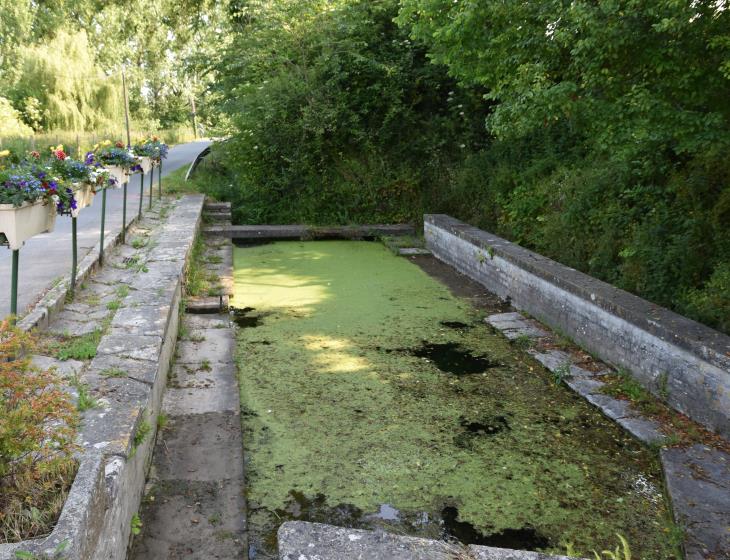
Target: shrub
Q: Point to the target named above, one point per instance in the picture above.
(37, 431)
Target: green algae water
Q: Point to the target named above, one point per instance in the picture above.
(372, 397)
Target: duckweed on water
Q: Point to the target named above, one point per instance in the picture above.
(344, 417)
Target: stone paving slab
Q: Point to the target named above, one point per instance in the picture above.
(195, 505)
(198, 447)
(218, 346)
(192, 520)
(698, 480)
(66, 369)
(300, 540)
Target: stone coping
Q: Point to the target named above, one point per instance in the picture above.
(300, 540)
(709, 344)
(679, 360)
(118, 438)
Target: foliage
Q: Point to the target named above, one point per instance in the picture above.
(594, 133)
(37, 431)
(10, 120)
(61, 62)
(335, 115)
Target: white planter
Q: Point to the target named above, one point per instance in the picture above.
(121, 174)
(19, 224)
(84, 196)
(146, 164)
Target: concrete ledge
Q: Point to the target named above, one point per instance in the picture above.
(299, 540)
(675, 358)
(118, 437)
(264, 233)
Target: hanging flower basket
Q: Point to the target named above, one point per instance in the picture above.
(20, 223)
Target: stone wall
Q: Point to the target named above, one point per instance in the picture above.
(118, 438)
(677, 359)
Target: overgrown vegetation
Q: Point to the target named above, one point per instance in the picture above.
(594, 133)
(37, 435)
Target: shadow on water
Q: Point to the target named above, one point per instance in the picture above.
(525, 538)
(242, 318)
(456, 325)
(451, 357)
(443, 525)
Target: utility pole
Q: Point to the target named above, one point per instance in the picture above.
(195, 117)
(126, 107)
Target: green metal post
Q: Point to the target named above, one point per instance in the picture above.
(14, 284)
(159, 178)
(124, 214)
(103, 219)
(75, 255)
(141, 196)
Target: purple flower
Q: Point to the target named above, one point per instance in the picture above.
(89, 158)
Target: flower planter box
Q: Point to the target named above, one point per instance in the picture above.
(146, 164)
(19, 223)
(121, 174)
(84, 195)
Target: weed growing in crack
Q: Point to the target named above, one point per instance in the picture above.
(85, 401)
(77, 347)
(205, 366)
(140, 435)
(113, 372)
(561, 373)
(136, 524)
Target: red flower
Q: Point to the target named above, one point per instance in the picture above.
(119, 144)
(35, 155)
(60, 154)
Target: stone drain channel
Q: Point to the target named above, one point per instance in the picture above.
(194, 506)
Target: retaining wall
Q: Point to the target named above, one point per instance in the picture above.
(677, 359)
(95, 522)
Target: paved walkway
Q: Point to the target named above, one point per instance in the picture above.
(47, 257)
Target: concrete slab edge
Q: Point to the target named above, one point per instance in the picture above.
(304, 232)
(301, 540)
(96, 519)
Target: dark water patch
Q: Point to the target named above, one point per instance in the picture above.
(487, 426)
(456, 325)
(451, 357)
(473, 431)
(524, 538)
(241, 316)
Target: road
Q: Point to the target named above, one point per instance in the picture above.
(47, 257)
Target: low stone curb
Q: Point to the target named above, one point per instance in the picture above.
(697, 478)
(300, 540)
(117, 440)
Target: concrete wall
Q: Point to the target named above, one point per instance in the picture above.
(677, 359)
